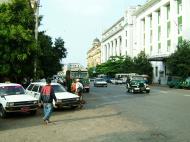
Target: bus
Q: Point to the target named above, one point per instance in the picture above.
(124, 76)
(77, 71)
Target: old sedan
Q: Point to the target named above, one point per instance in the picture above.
(100, 82)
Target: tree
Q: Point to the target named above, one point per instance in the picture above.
(17, 43)
(178, 63)
(49, 55)
(142, 65)
(111, 67)
(128, 65)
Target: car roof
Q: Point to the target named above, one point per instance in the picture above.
(10, 84)
(44, 83)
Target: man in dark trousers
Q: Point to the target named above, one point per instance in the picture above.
(47, 96)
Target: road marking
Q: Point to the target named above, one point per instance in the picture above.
(187, 95)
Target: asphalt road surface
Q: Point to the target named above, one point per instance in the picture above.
(110, 115)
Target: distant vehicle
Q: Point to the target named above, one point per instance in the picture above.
(137, 84)
(14, 99)
(124, 76)
(64, 98)
(116, 81)
(75, 71)
(175, 82)
(98, 82)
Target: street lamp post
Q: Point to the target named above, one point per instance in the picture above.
(37, 3)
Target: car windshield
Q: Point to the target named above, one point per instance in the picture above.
(11, 90)
(58, 88)
(100, 80)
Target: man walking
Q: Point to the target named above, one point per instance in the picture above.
(47, 96)
(78, 91)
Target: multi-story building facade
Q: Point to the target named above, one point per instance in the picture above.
(155, 27)
(94, 54)
(118, 39)
(159, 26)
(112, 41)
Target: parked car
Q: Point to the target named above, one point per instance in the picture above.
(117, 81)
(14, 99)
(100, 82)
(64, 98)
(186, 83)
(175, 81)
(137, 84)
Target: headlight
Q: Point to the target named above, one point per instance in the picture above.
(10, 104)
(77, 99)
(59, 101)
(35, 102)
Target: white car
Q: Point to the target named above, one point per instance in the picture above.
(100, 82)
(64, 98)
(14, 99)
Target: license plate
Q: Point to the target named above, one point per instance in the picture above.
(25, 109)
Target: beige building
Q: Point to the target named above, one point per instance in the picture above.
(94, 54)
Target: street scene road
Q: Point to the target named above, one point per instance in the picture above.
(111, 114)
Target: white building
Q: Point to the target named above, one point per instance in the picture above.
(159, 26)
(118, 39)
(156, 28)
(112, 44)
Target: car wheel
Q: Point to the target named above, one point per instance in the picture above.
(3, 113)
(33, 112)
(133, 91)
(147, 91)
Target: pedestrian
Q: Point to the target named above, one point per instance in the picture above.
(78, 91)
(73, 86)
(47, 96)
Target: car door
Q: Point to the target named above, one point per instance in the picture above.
(35, 91)
(29, 89)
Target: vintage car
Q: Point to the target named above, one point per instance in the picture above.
(64, 98)
(137, 84)
(98, 82)
(14, 99)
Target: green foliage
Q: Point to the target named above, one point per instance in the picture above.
(17, 43)
(142, 65)
(111, 67)
(178, 63)
(119, 64)
(18, 46)
(50, 56)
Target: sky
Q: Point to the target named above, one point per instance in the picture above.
(79, 22)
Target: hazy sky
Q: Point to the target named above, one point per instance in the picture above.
(79, 22)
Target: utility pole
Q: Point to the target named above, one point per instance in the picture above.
(37, 3)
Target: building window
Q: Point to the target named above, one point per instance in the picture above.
(126, 33)
(168, 45)
(158, 17)
(156, 71)
(168, 12)
(150, 21)
(179, 25)
(159, 47)
(151, 36)
(168, 29)
(159, 33)
(179, 6)
(126, 43)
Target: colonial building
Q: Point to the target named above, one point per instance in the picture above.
(159, 26)
(117, 40)
(155, 27)
(94, 54)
